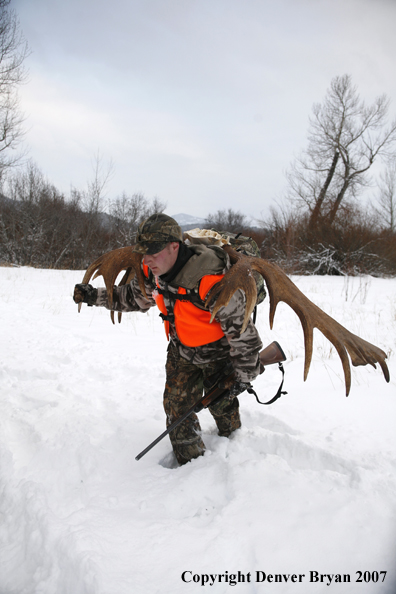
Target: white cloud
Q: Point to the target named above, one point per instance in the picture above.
(204, 101)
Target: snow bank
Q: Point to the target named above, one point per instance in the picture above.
(307, 485)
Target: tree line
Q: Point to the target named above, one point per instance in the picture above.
(40, 227)
(322, 225)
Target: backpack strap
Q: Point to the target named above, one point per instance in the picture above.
(173, 297)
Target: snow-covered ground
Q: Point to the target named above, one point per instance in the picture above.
(307, 485)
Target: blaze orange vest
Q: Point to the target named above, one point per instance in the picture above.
(192, 324)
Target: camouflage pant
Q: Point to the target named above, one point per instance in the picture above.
(184, 387)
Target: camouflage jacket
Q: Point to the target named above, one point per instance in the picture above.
(243, 349)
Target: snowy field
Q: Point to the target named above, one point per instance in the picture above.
(307, 485)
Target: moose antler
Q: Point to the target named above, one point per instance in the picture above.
(110, 265)
(281, 288)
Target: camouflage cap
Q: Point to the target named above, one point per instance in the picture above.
(155, 233)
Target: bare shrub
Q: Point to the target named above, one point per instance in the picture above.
(353, 245)
(227, 220)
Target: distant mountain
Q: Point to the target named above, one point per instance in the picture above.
(7, 201)
(187, 221)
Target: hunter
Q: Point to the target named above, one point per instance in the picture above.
(178, 278)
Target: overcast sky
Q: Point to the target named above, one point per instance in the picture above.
(202, 103)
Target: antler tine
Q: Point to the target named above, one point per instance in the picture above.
(89, 272)
(385, 370)
(128, 276)
(308, 343)
(338, 344)
(273, 277)
(281, 288)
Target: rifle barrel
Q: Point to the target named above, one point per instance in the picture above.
(172, 426)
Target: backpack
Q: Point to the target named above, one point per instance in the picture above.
(240, 243)
(247, 245)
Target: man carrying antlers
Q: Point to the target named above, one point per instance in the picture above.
(178, 279)
(206, 296)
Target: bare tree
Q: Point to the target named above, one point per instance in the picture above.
(386, 210)
(36, 228)
(345, 138)
(92, 199)
(27, 218)
(128, 212)
(227, 220)
(92, 203)
(13, 51)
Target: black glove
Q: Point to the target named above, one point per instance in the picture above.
(239, 387)
(235, 388)
(85, 294)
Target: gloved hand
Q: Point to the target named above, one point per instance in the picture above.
(234, 387)
(85, 294)
(239, 387)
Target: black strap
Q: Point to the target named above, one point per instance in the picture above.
(172, 297)
(277, 395)
(169, 318)
(193, 298)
